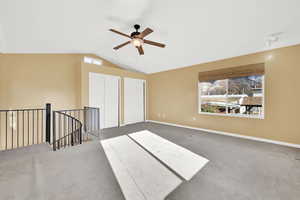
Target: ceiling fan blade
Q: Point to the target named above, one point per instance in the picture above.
(121, 45)
(154, 43)
(146, 32)
(118, 32)
(141, 50)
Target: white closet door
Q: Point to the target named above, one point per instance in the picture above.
(111, 101)
(104, 94)
(134, 100)
(97, 94)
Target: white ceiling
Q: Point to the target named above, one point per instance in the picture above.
(195, 31)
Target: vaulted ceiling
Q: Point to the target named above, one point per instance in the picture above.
(195, 31)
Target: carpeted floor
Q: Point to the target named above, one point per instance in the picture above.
(238, 170)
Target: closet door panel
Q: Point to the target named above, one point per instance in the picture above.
(97, 95)
(111, 102)
(134, 100)
(104, 94)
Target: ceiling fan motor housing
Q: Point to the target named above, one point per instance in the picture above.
(133, 34)
(136, 27)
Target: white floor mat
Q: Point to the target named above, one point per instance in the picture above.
(140, 176)
(184, 162)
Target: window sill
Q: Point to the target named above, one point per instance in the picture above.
(233, 115)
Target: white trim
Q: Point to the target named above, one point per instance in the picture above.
(233, 115)
(231, 134)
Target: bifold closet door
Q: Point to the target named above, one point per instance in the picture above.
(134, 100)
(111, 101)
(104, 94)
(97, 94)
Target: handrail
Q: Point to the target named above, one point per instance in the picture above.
(73, 135)
(68, 126)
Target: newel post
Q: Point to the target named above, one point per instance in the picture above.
(48, 123)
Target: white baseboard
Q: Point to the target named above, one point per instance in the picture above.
(125, 124)
(231, 134)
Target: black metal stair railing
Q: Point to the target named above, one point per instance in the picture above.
(24, 127)
(69, 130)
(69, 126)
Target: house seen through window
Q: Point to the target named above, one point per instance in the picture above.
(236, 95)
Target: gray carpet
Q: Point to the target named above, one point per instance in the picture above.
(238, 169)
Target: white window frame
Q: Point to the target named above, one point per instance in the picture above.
(262, 116)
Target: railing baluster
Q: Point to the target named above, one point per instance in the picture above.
(98, 119)
(37, 128)
(92, 113)
(42, 126)
(95, 114)
(33, 127)
(23, 116)
(75, 133)
(12, 130)
(18, 129)
(65, 126)
(0, 132)
(54, 131)
(6, 129)
(80, 135)
(72, 137)
(84, 119)
(68, 136)
(59, 129)
(28, 127)
(90, 128)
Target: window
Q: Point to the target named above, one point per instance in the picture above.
(232, 93)
(90, 60)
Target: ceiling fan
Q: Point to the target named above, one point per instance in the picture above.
(137, 39)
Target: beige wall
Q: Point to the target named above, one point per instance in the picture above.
(86, 68)
(174, 94)
(32, 80)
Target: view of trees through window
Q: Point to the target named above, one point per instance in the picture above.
(236, 96)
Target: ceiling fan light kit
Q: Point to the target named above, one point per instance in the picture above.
(137, 42)
(137, 39)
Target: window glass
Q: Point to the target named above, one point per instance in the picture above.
(213, 105)
(217, 87)
(241, 96)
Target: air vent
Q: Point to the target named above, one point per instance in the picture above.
(273, 38)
